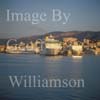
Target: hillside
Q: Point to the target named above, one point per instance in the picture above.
(60, 35)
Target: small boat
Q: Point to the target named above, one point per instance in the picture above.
(77, 57)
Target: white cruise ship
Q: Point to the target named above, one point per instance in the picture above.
(50, 46)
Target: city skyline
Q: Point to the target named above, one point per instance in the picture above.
(84, 16)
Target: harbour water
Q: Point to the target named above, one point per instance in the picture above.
(87, 68)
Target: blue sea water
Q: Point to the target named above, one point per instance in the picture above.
(87, 68)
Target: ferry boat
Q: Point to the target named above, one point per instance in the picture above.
(18, 48)
(13, 50)
(50, 46)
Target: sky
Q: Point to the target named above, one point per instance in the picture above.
(84, 16)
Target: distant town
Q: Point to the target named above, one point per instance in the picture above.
(49, 45)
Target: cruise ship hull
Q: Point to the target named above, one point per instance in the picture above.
(50, 52)
(13, 52)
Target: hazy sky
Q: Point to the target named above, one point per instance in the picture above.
(85, 15)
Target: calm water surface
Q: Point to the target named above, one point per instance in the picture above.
(87, 68)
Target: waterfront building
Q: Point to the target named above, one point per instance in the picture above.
(2, 48)
(69, 39)
(30, 47)
(77, 48)
(37, 46)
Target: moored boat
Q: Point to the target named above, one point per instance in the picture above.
(51, 46)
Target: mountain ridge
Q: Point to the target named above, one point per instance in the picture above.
(93, 35)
